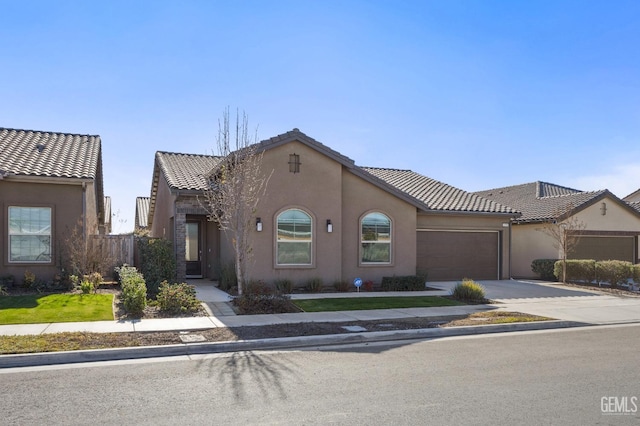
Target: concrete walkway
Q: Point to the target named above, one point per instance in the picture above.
(551, 300)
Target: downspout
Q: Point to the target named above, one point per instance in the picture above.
(84, 213)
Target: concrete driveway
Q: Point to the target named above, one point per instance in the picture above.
(507, 290)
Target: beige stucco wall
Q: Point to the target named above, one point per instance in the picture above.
(161, 226)
(65, 201)
(317, 191)
(529, 243)
(327, 191)
(472, 222)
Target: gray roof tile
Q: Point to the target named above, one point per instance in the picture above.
(437, 195)
(542, 201)
(186, 171)
(50, 154)
(142, 212)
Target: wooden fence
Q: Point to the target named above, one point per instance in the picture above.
(115, 249)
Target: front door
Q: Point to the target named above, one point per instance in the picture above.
(193, 250)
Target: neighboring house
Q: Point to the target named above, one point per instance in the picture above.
(634, 197)
(108, 225)
(142, 213)
(50, 183)
(324, 217)
(611, 226)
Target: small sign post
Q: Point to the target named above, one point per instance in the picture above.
(358, 283)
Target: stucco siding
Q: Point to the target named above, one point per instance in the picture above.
(65, 200)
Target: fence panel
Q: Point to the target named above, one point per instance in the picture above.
(115, 249)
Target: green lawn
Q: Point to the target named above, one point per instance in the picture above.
(37, 308)
(364, 303)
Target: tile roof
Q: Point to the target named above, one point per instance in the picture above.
(542, 201)
(634, 205)
(49, 154)
(186, 171)
(437, 195)
(142, 212)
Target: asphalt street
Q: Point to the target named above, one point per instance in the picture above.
(568, 376)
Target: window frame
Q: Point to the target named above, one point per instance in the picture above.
(362, 241)
(310, 241)
(10, 235)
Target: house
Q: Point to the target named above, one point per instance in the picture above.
(50, 183)
(324, 217)
(610, 225)
(142, 213)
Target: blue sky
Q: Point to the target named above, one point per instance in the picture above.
(477, 94)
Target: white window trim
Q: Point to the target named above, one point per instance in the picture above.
(9, 235)
(311, 241)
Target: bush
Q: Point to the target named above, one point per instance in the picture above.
(124, 272)
(615, 272)
(404, 283)
(283, 286)
(468, 291)
(251, 304)
(577, 270)
(635, 271)
(341, 286)
(87, 287)
(257, 287)
(157, 261)
(177, 298)
(134, 290)
(544, 268)
(315, 285)
(228, 279)
(29, 279)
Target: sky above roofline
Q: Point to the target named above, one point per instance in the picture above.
(475, 94)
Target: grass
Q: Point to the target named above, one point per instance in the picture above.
(38, 308)
(365, 303)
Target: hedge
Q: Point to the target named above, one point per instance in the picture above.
(404, 283)
(614, 272)
(544, 268)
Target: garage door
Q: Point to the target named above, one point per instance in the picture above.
(604, 248)
(449, 255)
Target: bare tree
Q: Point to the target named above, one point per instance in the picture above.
(235, 188)
(565, 232)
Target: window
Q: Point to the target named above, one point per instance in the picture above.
(375, 238)
(294, 163)
(30, 234)
(294, 238)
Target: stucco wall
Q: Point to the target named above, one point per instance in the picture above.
(65, 201)
(360, 197)
(315, 190)
(529, 243)
(161, 226)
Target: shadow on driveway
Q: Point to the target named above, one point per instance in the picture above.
(514, 289)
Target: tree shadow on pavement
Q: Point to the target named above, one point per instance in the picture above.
(247, 374)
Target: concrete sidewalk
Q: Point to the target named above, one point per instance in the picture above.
(545, 299)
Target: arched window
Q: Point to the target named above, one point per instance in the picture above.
(294, 238)
(375, 238)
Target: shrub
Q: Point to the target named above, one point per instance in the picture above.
(87, 287)
(315, 285)
(257, 287)
(283, 286)
(228, 279)
(577, 270)
(544, 268)
(615, 272)
(341, 286)
(468, 291)
(635, 270)
(124, 272)
(7, 281)
(96, 279)
(134, 291)
(177, 298)
(404, 283)
(29, 279)
(251, 304)
(157, 262)
(3, 291)
(368, 285)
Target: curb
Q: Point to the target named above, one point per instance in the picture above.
(186, 349)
